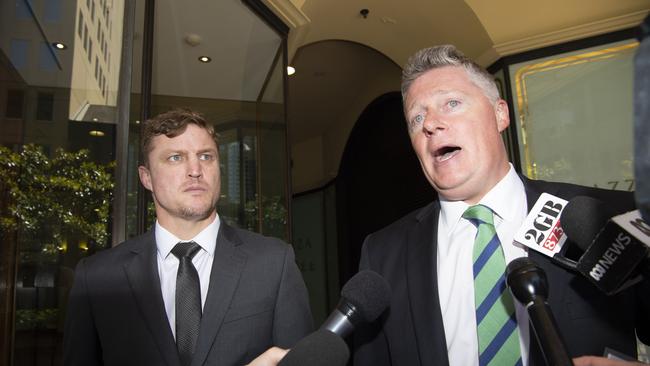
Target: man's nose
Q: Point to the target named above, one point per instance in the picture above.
(432, 125)
(194, 167)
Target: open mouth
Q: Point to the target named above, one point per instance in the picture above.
(445, 153)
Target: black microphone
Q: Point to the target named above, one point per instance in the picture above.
(615, 250)
(320, 348)
(528, 284)
(363, 298)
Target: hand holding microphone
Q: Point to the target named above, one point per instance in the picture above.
(270, 357)
(363, 298)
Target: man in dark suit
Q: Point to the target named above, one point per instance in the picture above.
(193, 290)
(438, 315)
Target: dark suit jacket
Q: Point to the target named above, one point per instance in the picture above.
(411, 331)
(256, 299)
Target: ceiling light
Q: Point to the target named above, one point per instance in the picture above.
(291, 70)
(205, 59)
(59, 46)
(96, 133)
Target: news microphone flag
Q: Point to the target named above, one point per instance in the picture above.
(542, 230)
(616, 252)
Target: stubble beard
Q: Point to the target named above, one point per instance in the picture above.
(192, 213)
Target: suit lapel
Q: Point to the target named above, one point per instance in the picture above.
(142, 274)
(422, 280)
(227, 266)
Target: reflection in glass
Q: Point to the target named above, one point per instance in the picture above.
(567, 107)
(241, 91)
(56, 177)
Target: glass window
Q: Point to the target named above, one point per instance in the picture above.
(566, 108)
(15, 102)
(242, 93)
(56, 177)
(45, 107)
(58, 153)
(85, 37)
(80, 25)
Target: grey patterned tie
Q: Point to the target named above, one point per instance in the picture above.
(188, 301)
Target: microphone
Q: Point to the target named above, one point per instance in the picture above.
(320, 348)
(615, 250)
(542, 232)
(363, 298)
(528, 284)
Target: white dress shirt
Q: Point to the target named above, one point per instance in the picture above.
(455, 277)
(168, 264)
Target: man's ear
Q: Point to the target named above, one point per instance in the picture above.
(502, 114)
(145, 177)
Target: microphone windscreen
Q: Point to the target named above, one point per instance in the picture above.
(583, 218)
(321, 348)
(369, 293)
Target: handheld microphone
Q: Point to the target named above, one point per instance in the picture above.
(615, 249)
(363, 298)
(320, 348)
(528, 284)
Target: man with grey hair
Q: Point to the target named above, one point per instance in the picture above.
(445, 262)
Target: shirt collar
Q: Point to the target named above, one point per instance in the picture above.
(207, 238)
(499, 199)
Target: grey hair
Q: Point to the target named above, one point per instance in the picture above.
(447, 55)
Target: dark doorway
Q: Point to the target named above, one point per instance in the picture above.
(379, 180)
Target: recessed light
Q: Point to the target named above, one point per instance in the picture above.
(205, 59)
(96, 133)
(291, 70)
(59, 46)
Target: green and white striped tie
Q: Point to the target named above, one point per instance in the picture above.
(498, 337)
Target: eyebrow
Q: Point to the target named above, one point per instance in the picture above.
(185, 151)
(410, 106)
(210, 150)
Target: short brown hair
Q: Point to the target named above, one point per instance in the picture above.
(172, 124)
(447, 55)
